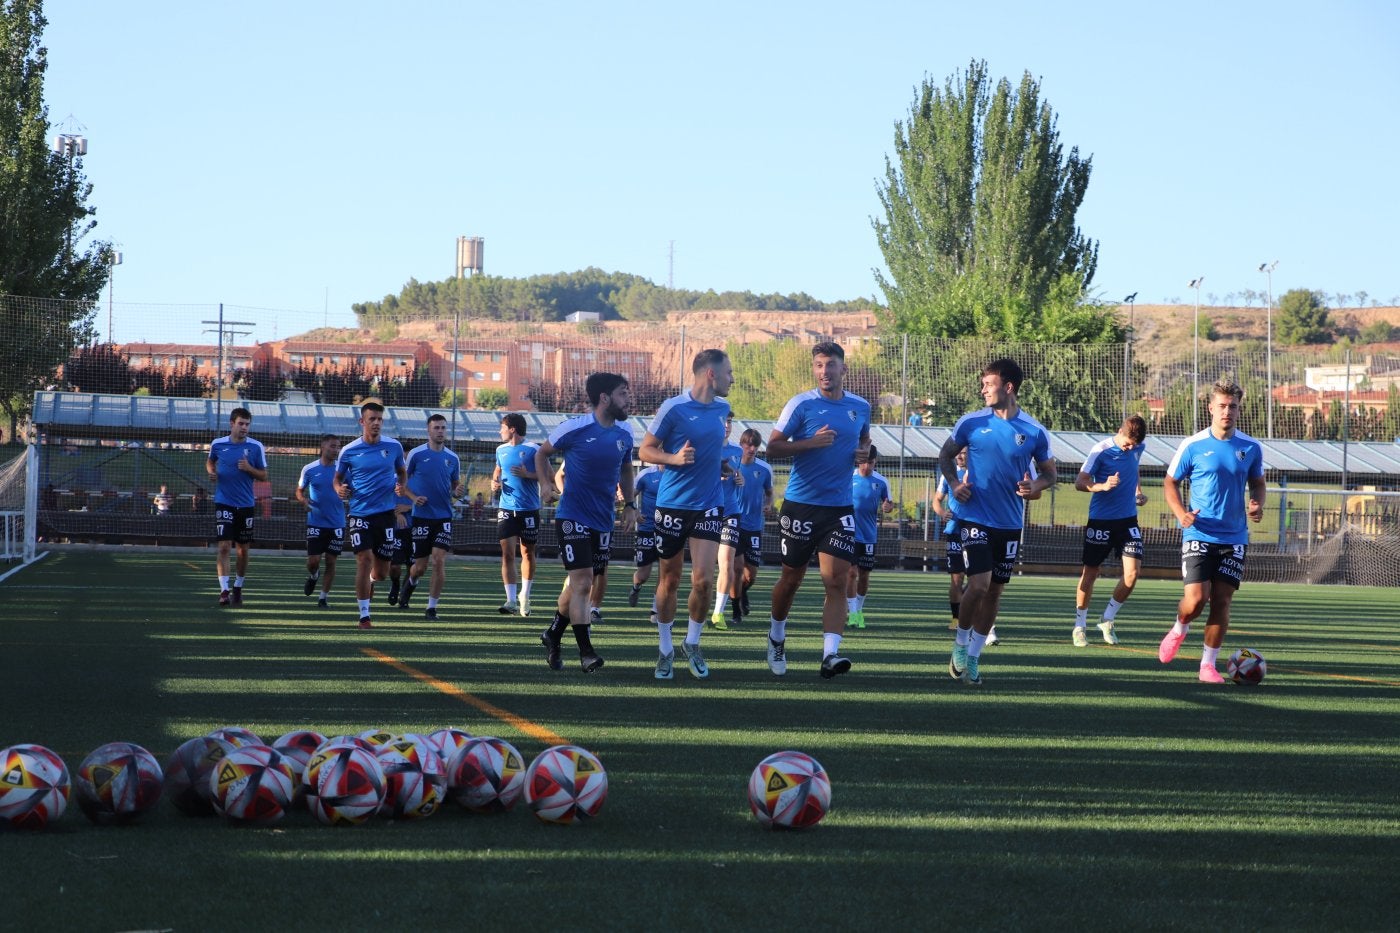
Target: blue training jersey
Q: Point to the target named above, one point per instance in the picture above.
(327, 510)
(370, 470)
(758, 486)
(1219, 472)
(733, 502)
(433, 474)
(680, 419)
(646, 484)
(868, 493)
(235, 488)
(949, 501)
(1000, 452)
(823, 476)
(517, 493)
(593, 458)
(1106, 458)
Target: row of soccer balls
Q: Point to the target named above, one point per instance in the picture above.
(348, 779)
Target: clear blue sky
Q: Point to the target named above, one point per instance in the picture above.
(310, 154)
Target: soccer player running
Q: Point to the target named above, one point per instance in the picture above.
(822, 430)
(434, 475)
(647, 483)
(757, 491)
(597, 449)
(325, 517)
(1110, 473)
(870, 495)
(369, 474)
(517, 512)
(688, 435)
(1004, 447)
(730, 566)
(946, 508)
(1225, 467)
(235, 460)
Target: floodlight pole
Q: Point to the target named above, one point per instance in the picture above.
(1128, 353)
(1196, 366)
(1268, 269)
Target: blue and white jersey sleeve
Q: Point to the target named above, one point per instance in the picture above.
(371, 472)
(822, 476)
(681, 420)
(868, 494)
(1000, 452)
(1105, 459)
(517, 493)
(733, 455)
(235, 488)
(317, 481)
(433, 474)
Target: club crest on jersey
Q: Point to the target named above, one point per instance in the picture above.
(851, 415)
(1020, 440)
(1240, 455)
(620, 445)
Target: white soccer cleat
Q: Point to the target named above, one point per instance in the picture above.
(1081, 637)
(1109, 637)
(777, 657)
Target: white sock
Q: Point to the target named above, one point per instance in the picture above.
(1181, 628)
(777, 631)
(1208, 656)
(975, 644)
(432, 602)
(510, 592)
(525, 586)
(852, 603)
(364, 606)
(721, 600)
(693, 630)
(831, 642)
(1081, 617)
(961, 638)
(1111, 609)
(860, 603)
(238, 582)
(223, 584)
(663, 637)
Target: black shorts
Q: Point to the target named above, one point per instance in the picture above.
(824, 529)
(324, 541)
(954, 552)
(377, 532)
(865, 556)
(674, 527)
(751, 543)
(431, 534)
(232, 524)
(1203, 562)
(1106, 536)
(993, 549)
(729, 532)
(522, 525)
(644, 554)
(583, 547)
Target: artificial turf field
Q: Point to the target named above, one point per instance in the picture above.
(1089, 788)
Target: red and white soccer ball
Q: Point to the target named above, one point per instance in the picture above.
(486, 775)
(789, 790)
(306, 740)
(344, 783)
(237, 736)
(1247, 667)
(254, 784)
(187, 774)
(566, 784)
(447, 741)
(117, 783)
(34, 787)
(376, 737)
(415, 779)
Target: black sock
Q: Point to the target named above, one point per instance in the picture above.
(556, 627)
(585, 644)
(954, 607)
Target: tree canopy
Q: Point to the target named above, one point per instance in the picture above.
(44, 221)
(1303, 317)
(979, 232)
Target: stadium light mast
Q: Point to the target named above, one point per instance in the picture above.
(1128, 352)
(70, 146)
(1196, 365)
(114, 259)
(1268, 269)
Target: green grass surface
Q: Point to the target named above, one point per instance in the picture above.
(1078, 788)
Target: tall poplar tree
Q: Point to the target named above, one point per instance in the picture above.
(979, 232)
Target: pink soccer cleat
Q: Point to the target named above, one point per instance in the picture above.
(1170, 645)
(1209, 675)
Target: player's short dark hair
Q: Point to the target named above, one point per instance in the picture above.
(829, 348)
(1135, 428)
(751, 436)
(873, 455)
(1006, 369)
(1226, 387)
(515, 421)
(599, 384)
(239, 413)
(437, 417)
(707, 358)
(371, 405)
(329, 437)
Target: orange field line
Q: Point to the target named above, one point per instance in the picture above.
(457, 693)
